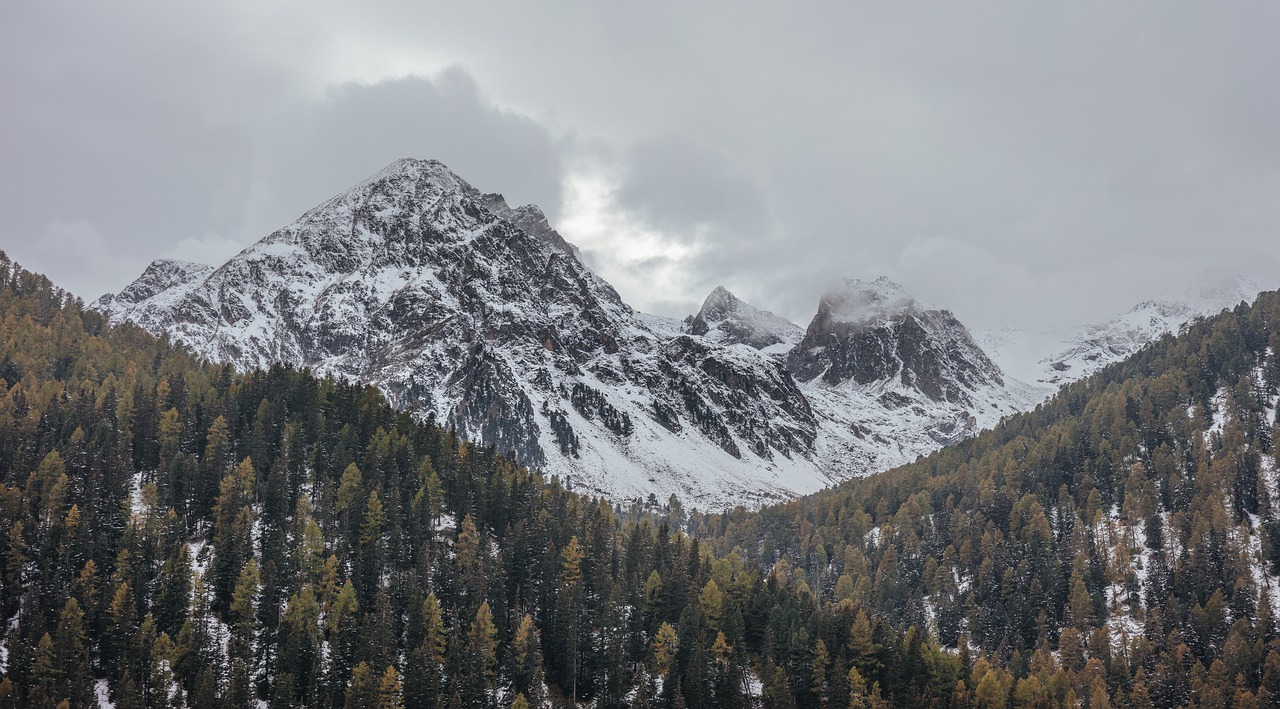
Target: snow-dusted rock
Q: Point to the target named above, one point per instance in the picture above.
(874, 332)
(892, 378)
(726, 320)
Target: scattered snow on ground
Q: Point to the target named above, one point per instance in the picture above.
(103, 694)
(755, 688)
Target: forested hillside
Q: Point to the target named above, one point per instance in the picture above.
(1116, 547)
(177, 534)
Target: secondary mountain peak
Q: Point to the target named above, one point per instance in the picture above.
(726, 319)
(868, 332)
(160, 276)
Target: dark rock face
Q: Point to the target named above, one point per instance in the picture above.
(891, 337)
(492, 408)
(762, 406)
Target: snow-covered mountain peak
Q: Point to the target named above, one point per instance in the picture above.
(720, 299)
(726, 319)
(161, 275)
(418, 170)
(892, 377)
(872, 333)
(168, 272)
(454, 303)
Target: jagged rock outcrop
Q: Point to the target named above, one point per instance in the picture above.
(892, 378)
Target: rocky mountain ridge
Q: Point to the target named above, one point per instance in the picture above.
(482, 316)
(726, 320)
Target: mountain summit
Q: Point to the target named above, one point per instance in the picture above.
(893, 378)
(874, 332)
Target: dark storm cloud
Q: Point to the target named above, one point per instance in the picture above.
(1020, 163)
(313, 150)
(674, 184)
(186, 134)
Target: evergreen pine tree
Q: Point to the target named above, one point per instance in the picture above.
(390, 694)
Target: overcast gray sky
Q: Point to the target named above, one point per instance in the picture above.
(1020, 163)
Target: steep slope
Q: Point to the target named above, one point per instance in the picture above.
(481, 315)
(893, 378)
(1050, 358)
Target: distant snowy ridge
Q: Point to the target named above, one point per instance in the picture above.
(1051, 358)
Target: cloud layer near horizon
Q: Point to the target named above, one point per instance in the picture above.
(1020, 165)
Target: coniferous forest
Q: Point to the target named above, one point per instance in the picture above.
(178, 534)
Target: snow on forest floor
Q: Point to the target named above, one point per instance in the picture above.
(102, 693)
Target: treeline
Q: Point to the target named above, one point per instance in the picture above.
(1116, 547)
